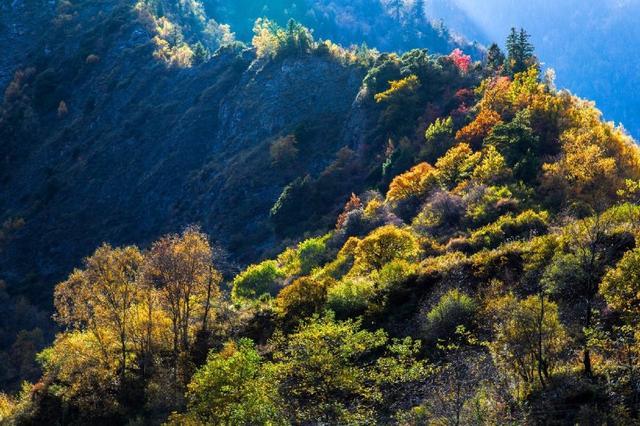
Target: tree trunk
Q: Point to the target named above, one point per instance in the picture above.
(586, 358)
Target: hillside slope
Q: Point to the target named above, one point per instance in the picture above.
(485, 269)
(141, 142)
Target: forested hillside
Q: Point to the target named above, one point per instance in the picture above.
(126, 120)
(430, 238)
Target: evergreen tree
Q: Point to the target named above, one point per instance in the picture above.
(200, 54)
(520, 51)
(495, 58)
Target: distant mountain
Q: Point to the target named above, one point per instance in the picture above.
(383, 24)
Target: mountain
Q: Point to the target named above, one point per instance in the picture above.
(385, 25)
(125, 121)
(206, 223)
(139, 137)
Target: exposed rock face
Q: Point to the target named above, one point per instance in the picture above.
(145, 149)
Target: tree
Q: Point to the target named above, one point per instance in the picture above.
(383, 245)
(454, 392)
(575, 274)
(495, 59)
(100, 297)
(439, 139)
(419, 12)
(475, 132)
(584, 171)
(529, 338)
(460, 60)
(411, 183)
(519, 52)
(399, 90)
(180, 267)
(456, 165)
(621, 287)
(234, 387)
(271, 40)
(200, 54)
(395, 9)
(492, 168)
(519, 145)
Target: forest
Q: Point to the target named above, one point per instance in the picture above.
(474, 259)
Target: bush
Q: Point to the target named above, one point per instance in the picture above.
(304, 297)
(454, 309)
(443, 210)
(351, 296)
(257, 280)
(233, 387)
(384, 245)
(312, 253)
(509, 227)
(283, 151)
(394, 273)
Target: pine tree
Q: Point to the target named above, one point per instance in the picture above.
(495, 58)
(200, 53)
(525, 44)
(519, 50)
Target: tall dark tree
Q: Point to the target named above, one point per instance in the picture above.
(495, 58)
(519, 51)
(200, 54)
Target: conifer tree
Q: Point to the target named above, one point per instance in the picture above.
(495, 58)
(519, 50)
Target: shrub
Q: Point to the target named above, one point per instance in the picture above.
(303, 298)
(312, 253)
(394, 273)
(444, 209)
(525, 225)
(486, 204)
(283, 151)
(350, 296)
(92, 59)
(384, 245)
(454, 309)
(439, 139)
(257, 280)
